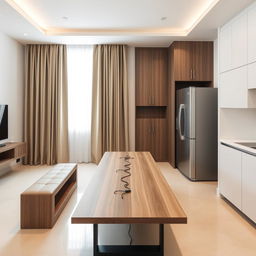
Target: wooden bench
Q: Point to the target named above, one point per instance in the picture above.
(43, 202)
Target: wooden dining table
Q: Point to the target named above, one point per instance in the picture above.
(128, 188)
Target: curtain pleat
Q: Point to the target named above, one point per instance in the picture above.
(110, 129)
(45, 118)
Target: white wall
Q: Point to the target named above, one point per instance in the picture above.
(11, 85)
(238, 124)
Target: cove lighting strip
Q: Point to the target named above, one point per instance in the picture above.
(37, 22)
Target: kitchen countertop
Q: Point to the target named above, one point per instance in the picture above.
(234, 144)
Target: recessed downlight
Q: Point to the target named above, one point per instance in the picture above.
(163, 18)
(64, 17)
(25, 34)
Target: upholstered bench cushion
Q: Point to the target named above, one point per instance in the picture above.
(51, 181)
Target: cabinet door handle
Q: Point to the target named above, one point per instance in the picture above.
(191, 74)
(194, 74)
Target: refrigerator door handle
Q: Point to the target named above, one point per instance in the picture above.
(181, 108)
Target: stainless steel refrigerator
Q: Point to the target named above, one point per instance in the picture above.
(196, 132)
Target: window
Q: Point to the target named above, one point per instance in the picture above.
(79, 62)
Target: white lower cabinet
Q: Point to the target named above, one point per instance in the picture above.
(249, 185)
(237, 179)
(230, 175)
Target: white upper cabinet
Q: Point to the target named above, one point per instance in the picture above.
(233, 44)
(237, 61)
(233, 89)
(252, 75)
(239, 41)
(252, 33)
(225, 48)
(249, 186)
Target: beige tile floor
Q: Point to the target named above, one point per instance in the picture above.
(214, 228)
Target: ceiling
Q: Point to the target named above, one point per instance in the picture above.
(133, 22)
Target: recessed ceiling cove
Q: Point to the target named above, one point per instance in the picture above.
(114, 17)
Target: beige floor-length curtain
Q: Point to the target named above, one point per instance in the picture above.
(46, 120)
(110, 100)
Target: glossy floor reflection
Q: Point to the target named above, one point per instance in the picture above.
(214, 228)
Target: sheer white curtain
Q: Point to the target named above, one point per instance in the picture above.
(80, 61)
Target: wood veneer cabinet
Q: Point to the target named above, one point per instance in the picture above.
(143, 77)
(151, 72)
(143, 134)
(151, 76)
(159, 139)
(151, 134)
(159, 76)
(189, 64)
(193, 61)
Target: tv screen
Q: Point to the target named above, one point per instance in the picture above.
(3, 122)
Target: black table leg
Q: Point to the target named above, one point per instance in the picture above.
(127, 250)
(161, 239)
(95, 240)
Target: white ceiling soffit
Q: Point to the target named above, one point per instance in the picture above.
(97, 17)
(13, 24)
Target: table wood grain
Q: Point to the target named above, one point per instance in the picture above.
(151, 199)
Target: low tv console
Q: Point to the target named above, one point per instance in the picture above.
(12, 151)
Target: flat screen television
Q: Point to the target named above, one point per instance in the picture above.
(3, 122)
